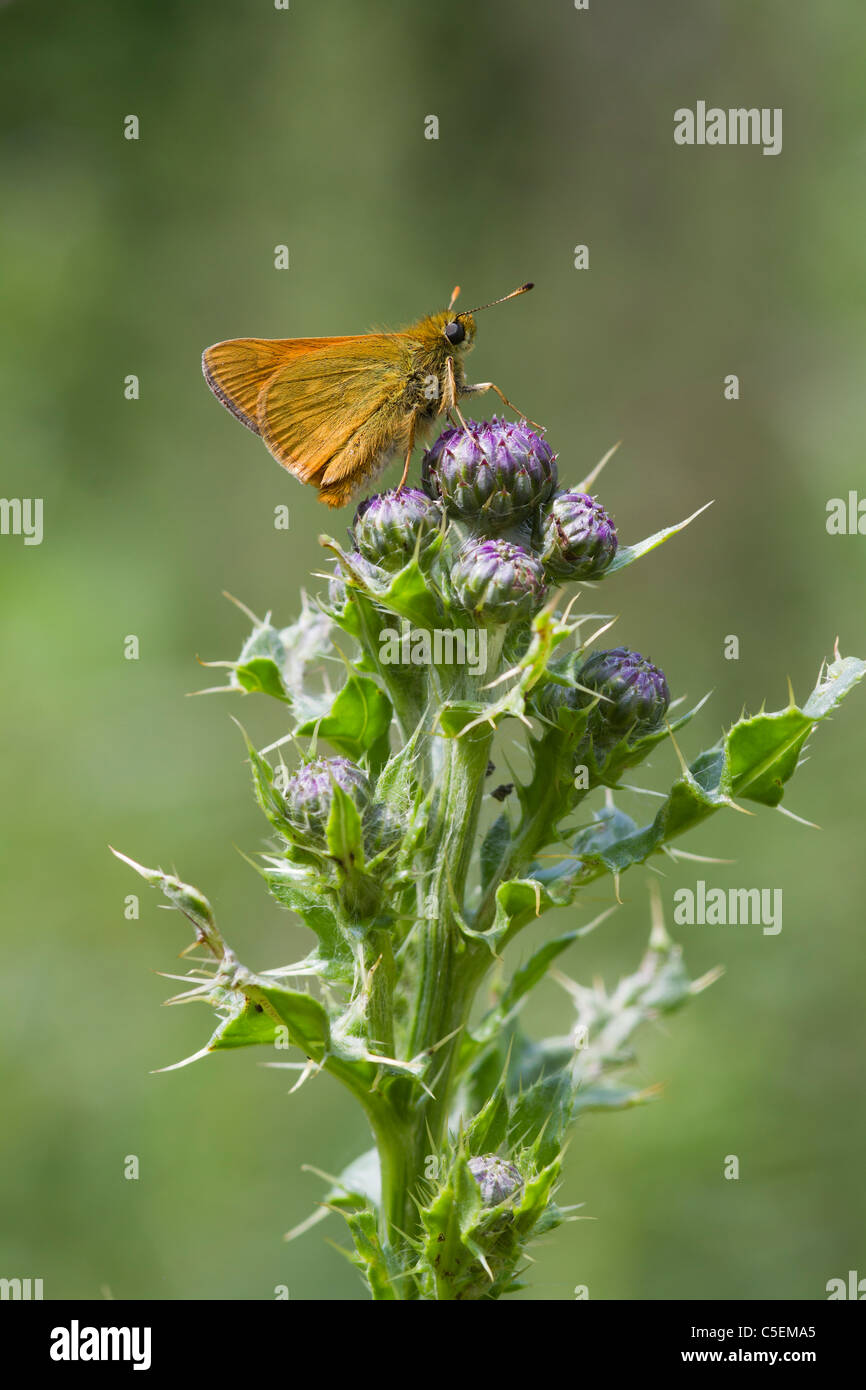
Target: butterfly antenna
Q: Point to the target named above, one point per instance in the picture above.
(520, 290)
(453, 300)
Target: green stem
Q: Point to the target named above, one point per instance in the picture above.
(450, 968)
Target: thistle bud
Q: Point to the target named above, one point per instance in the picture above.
(497, 1178)
(549, 697)
(635, 692)
(497, 582)
(390, 525)
(337, 584)
(492, 474)
(310, 791)
(579, 538)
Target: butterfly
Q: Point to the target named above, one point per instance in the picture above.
(336, 411)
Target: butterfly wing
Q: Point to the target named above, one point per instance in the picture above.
(237, 369)
(330, 410)
(330, 413)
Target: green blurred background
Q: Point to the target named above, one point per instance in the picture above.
(306, 127)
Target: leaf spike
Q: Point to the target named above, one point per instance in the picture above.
(659, 938)
(704, 981)
(590, 478)
(801, 820)
(683, 764)
(791, 697)
(311, 1221)
(248, 611)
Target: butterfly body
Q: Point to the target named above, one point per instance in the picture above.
(335, 411)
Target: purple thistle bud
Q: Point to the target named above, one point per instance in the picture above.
(493, 474)
(497, 582)
(310, 791)
(636, 692)
(497, 1178)
(389, 525)
(579, 539)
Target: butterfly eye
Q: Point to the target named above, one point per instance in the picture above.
(454, 331)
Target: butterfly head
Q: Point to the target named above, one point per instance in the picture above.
(459, 331)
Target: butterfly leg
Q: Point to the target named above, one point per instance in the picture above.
(449, 395)
(410, 444)
(489, 386)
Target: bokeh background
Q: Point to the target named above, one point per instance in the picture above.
(306, 127)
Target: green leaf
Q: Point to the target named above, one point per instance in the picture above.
(279, 661)
(487, 1130)
(369, 1256)
(257, 1010)
(262, 676)
(248, 1026)
(345, 838)
(300, 893)
(494, 847)
(359, 719)
(303, 1015)
(540, 1116)
(359, 1184)
(412, 595)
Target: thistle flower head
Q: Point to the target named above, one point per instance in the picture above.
(579, 539)
(634, 692)
(496, 581)
(310, 792)
(493, 474)
(390, 525)
(497, 1178)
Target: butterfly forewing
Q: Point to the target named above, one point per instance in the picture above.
(311, 398)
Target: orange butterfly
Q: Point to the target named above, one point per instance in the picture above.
(334, 411)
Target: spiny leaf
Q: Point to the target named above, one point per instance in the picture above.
(359, 718)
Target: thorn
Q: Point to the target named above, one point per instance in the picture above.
(659, 938)
(591, 477)
(307, 1225)
(704, 982)
(442, 1041)
(793, 704)
(600, 632)
(673, 853)
(572, 601)
(684, 767)
(242, 606)
(596, 922)
(800, 819)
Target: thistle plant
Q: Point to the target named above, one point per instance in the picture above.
(451, 620)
